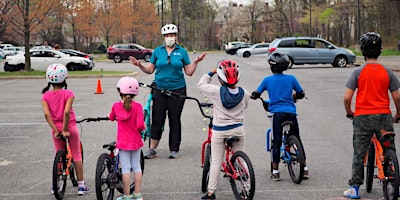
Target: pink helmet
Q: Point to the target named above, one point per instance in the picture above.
(128, 85)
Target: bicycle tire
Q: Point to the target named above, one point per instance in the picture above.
(244, 186)
(72, 174)
(391, 171)
(370, 168)
(296, 164)
(104, 168)
(132, 186)
(206, 169)
(59, 177)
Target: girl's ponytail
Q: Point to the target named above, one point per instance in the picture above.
(46, 88)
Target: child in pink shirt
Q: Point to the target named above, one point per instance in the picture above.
(57, 108)
(129, 142)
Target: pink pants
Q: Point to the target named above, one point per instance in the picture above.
(218, 152)
(74, 141)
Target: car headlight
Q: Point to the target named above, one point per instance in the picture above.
(350, 52)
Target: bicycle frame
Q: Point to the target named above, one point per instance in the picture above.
(379, 157)
(147, 117)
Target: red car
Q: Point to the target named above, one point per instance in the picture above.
(120, 52)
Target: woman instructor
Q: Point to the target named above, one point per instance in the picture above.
(169, 62)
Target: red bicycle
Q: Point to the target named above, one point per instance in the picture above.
(237, 167)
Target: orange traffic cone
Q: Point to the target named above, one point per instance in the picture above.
(99, 90)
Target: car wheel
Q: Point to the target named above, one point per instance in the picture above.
(8, 68)
(72, 67)
(147, 57)
(117, 58)
(246, 54)
(340, 61)
(290, 63)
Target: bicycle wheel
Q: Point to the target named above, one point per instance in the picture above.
(244, 185)
(369, 177)
(72, 174)
(59, 176)
(296, 164)
(206, 169)
(103, 169)
(391, 171)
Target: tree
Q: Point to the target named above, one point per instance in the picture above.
(24, 17)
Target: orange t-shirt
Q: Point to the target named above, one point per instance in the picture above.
(373, 81)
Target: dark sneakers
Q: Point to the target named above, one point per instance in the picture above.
(151, 153)
(208, 197)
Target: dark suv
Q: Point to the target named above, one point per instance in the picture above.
(312, 50)
(119, 52)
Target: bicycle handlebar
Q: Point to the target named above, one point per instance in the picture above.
(176, 94)
(164, 91)
(96, 119)
(201, 105)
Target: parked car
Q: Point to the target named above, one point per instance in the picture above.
(233, 49)
(41, 59)
(5, 45)
(10, 51)
(119, 52)
(232, 44)
(259, 48)
(312, 50)
(73, 52)
(41, 48)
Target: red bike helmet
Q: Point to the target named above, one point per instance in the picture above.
(228, 72)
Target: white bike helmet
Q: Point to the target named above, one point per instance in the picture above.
(169, 28)
(56, 73)
(128, 85)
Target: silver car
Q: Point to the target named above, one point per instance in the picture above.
(312, 50)
(259, 48)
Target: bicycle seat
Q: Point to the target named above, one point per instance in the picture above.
(110, 146)
(230, 140)
(387, 133)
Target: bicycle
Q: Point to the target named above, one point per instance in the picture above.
(291, 150)
(147, 112)
(108, 174)
(236, 167)
(63, 167)
(385, 160)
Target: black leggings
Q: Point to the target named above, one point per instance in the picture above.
(173, 106)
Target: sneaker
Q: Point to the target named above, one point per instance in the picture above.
(52, 191)
(83, 190)
(173, 155)
(124, 197)
(208, 197)
(151, 153)
(352, 192)
(136, 196)
(305, 176)
(275, 177)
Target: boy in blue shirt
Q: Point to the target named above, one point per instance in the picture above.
(280, 89)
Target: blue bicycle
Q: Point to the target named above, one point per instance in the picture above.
(292, 152)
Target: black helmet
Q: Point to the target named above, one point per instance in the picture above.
(371, 44)
(278, 62)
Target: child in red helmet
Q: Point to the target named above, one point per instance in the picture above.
(229, 102)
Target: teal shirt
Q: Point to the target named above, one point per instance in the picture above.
(169, 70)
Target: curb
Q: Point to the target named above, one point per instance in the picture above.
(71, 76)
